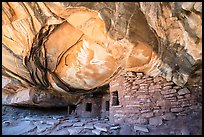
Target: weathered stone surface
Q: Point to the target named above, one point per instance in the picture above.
(157, 79)
(183, 91)
(175, 103)
(144, 84)
(144, 87)
(185, 131)
(5, 81)
(78, 124)
(145, 111)
(194, 20)
(89, 126)
(156, 111)
(172, 99)
(176, 87)
(139, 74)
(147, 115)
(60, 132)
(170, 95)
(180, 97)
(96, 131)
(187, 96)
(33, 97)
(141, 120)
(198, 6)
(174, 34)
(168, 33)
(143, 96)
(168, 116)
(187, 5)
(155, 121)
(27, 118)
(154, 90)
(114, 127)
(42, 127)
(136, 82)
(142, 91)
(130, 73)
(126, 130)
(167, 87)
(168, 84)
(52, 122)
(63, 125)
(101, 126)
(162, 103)
(73, 120)
(21, 128)
(74, 130)
(140, 128)
(58, 117)
(138, 105)
(86, 132)
(135, 87)
(21, 97)
(183, 100)
(6, 123)
(186, 104)
(155, 87)
(169, 91)
(176, 109)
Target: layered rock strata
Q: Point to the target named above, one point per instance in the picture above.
(74, 48)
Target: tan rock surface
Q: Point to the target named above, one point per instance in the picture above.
(77, 47)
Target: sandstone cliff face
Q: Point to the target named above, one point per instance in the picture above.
(16, 94)
(75, 47)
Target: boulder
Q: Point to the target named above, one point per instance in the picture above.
(168, 116)
(126, 130)
(89, 126)
(101, 126)
(155, 121)
(96, 131)
(78, 124)
(183, 91)
(140, 128)
(74, 130)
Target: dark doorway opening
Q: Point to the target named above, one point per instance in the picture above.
(107, 105)
(89, 107)
(115, 100)
(71, 109)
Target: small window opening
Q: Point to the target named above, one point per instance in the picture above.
(89, 107)
(115, 101)
(107, 105)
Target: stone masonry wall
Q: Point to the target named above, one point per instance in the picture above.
(147, 100)
(104, 111)
(99, 107)
(95, 107)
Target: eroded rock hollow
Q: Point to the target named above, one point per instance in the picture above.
(59, 51)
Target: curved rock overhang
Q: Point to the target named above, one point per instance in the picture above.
(77, 48)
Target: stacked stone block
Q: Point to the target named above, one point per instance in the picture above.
(95, 107)
(145, 99)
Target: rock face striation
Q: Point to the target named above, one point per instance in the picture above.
(68, 49)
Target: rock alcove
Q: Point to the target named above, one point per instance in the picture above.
(64, 54)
